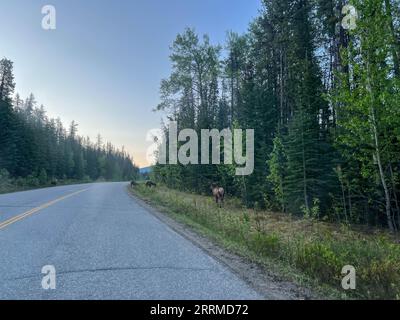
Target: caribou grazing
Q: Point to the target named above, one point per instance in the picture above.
(150, 184)
(218, 193)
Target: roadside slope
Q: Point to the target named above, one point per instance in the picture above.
(269, 283)
(307, 252)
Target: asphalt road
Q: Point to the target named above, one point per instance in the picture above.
(103, 245)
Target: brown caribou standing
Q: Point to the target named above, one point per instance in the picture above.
(151, 184)
(218, 193)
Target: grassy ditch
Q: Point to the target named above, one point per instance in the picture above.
(306, 251)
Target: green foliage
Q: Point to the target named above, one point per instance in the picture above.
(369, 115)
(4, 180)
(323, 101)
(42, 177)
(315, 249)
(36, 150)
(278, 169)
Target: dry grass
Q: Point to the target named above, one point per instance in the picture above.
(315, 249)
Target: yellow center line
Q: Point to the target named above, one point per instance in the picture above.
(34, 210)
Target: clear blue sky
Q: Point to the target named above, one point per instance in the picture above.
(103, 64)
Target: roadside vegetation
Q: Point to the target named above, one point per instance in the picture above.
(304, 250)
(9, 184)
(323, 100)
(38, 151)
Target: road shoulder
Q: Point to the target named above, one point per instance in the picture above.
(266, 283)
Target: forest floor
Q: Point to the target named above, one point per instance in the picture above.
(302, 258)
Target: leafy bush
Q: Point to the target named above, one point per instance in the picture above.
(4, 180)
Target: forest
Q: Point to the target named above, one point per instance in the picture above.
(36, 150)
(324, 102)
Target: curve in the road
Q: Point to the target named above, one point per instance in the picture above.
(103, 245)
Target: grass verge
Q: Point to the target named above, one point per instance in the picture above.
(10, 185)
(308, 252)
(11, 188)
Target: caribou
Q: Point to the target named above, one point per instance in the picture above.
(151, 184)
(218, 193)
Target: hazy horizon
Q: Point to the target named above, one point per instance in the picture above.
(103, 64)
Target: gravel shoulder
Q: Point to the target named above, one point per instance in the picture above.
(266, 283)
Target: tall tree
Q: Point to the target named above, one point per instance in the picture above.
(371, 115)
(7, 84)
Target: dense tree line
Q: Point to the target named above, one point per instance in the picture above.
(324, 103)
(36, 150)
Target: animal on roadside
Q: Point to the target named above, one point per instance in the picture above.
(133, 183)
(151, 184)
(218, 193)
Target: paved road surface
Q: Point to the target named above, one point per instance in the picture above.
(104, 246)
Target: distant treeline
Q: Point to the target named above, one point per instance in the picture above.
(36, 150)
(324, 102)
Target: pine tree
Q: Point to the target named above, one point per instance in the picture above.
(7, 84)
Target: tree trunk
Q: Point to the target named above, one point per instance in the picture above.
(281, 88)
(2, 86)
(381, 172)
(344, 201)
(232, 89)
(395, 42)
(304, 172)
(377, 154)
(396, 200)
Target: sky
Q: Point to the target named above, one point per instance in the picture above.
(103, 64)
